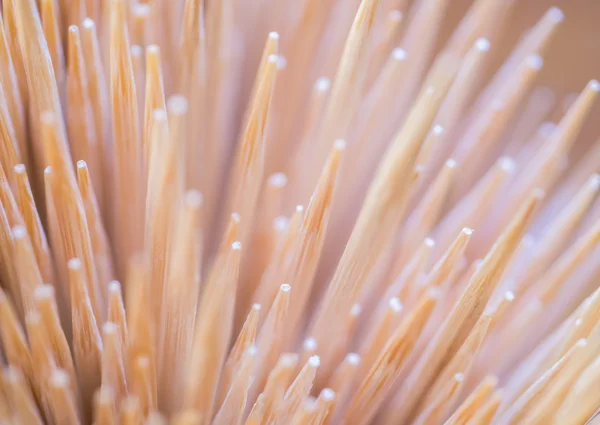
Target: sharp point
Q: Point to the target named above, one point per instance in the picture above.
(159, 114)
(309, 344)
(399, 54)
(395, 15)
(88, 23)
(467, 231)
(281, 223)
(43, 291)
(110, 328)
(278, 179)
(327, 394)
(314, 361)
(323, 84)
(482, 44)
(143, 361)
(546, 128)
(395, 304)
(289, 359)
(177, 104)
(194, 198)
(74, 264)
(507, 164)
(142, 9)
(535, 62)
(339, 144)
(33, 317)
(59, 378)
(556, 14)
(451, 163)
(434, 293)
(19, 232)
(47, 117)
(509, 296)
(353, 358)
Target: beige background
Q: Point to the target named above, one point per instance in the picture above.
(574, 55)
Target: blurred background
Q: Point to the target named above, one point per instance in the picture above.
(574, 54)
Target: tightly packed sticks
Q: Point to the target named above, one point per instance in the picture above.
(279, 212)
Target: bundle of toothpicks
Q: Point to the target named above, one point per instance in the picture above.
(293, 212)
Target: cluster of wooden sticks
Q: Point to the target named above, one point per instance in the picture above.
(126, 152)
